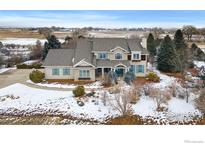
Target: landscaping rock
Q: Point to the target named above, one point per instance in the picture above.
(80, 103)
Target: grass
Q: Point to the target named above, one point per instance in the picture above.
(43, 120)
(19, 34)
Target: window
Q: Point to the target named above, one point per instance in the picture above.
(102, 56)
(136, 55)
(143, 57)
(137, 68)
(118, 56)
(84, 73)
(140, 68)
(66, 71)
(55, 71)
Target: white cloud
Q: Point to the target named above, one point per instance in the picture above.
(81, 19)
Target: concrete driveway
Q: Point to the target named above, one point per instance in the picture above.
(14, 76)
(21, 76)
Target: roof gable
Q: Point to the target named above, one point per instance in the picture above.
(118, 48)
(83, 63)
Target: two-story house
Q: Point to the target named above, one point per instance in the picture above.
(94, 57)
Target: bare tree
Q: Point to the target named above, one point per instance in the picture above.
(78, 33)
(202, 32)
(189, 30)
(1, 61)
(121, 102)
(200, 101)
(104, 98)
(37, 50)
(157, 31)
(45, 31)
(160, 97)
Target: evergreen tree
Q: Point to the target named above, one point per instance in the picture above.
(151, 45)
(167, 58)
(181, 51)
(51, 43)
(179, 40)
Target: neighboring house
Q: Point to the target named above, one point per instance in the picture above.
(95, 57)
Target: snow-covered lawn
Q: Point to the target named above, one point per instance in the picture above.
(24, 41)
(3, 70)
(165, 80)
(178, 110)
(94, 85)
(199, 64)
(19, 98)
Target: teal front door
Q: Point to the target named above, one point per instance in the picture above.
(119, 72)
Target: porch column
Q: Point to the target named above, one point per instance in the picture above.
(103, 74)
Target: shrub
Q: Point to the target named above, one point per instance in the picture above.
(146, 90)
(79, 91)
(173, 89)
(36, 76)
(134, 94)
(153, 77)
(129, 77)
(200, 101)
(25, 66)
(110, 79)
(160, 97)
(22, 66)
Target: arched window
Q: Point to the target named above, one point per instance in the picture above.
(118, 56)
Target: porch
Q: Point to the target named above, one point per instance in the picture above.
(120, 70)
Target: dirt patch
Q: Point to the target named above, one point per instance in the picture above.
(141, 81)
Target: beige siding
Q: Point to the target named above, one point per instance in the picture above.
(76, 73)
(48, 73)
(112, 54)
(140, 63)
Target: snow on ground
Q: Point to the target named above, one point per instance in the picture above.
(24, 41)
(178, 110)
(19, 98)
(3, 70)
(165, 80)
(94, 85)
(199, 64)
(30, 62)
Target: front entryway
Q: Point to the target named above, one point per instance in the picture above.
(119, 72)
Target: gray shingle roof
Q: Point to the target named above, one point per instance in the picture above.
(84, 48)
(135, 45)
(83, 51)
(59, 57)
(111, 63)
(106, 44)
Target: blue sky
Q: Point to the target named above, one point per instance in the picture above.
(108, 19)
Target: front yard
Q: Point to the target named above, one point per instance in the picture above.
(21, 100)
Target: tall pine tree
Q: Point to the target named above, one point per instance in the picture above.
(51, 43)
(167, 58)
(151, 45)
(183, 53)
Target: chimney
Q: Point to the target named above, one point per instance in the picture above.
(144, 42)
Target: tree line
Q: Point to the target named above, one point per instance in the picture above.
(173, 55)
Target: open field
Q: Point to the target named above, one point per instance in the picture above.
(19, 34)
